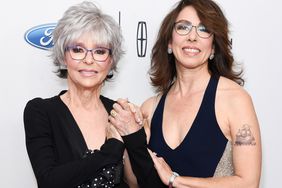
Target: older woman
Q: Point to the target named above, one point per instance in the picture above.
(69, 140)
(202, 126)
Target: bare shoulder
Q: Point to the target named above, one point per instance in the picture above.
(148, 106)
(233, 100)
(232, 94)
(235, 104)
(237, 117)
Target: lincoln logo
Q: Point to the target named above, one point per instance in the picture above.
(141, 41)
(40, 36)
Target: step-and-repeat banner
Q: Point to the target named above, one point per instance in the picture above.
(27, 70)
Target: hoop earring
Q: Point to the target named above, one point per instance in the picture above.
(211, 56)
(169, 50)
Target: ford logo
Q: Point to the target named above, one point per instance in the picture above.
(40, 36)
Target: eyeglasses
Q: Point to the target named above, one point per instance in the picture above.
(98, 54)
(184, 27)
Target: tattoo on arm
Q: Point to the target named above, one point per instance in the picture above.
(245, 136)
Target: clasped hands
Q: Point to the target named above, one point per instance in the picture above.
(126, 117)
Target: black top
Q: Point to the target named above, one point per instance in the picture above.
(58, 152)
(141, 161)
(196, 156)
(201, 149)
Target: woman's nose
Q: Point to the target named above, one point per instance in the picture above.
(192, 35)
(89, 58)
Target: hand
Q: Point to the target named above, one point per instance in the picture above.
(113, 133)
(137, 113)
(162, 167)
(126, 117)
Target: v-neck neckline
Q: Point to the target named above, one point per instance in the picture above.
(193, 122)
(79, 138)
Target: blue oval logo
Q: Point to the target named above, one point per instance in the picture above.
(40, 36)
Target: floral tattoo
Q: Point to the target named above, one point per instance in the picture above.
(245, 136)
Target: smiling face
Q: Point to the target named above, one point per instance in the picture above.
(191, 50)
(87, 73)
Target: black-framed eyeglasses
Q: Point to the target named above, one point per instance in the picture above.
(98, 54)
(184, 27)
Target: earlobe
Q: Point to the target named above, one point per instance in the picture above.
(110, 74)
(169, 49)
(111, 63)
(212, 53)
(211, 56)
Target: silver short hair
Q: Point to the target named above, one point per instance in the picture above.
(85, 18)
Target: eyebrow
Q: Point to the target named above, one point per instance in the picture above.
(81, 44)
(183, 21)
(77, 44)
(187, 21)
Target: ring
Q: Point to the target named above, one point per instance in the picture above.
(140, 123)
(113, 113)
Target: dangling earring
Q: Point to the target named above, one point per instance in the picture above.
(211, 56)
(169, 50)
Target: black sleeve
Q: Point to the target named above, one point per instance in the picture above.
(51, 173)
(141, 161)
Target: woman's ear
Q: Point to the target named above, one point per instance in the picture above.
(169, 48)
(213, 49)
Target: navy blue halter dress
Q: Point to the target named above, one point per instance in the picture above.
(199, 154)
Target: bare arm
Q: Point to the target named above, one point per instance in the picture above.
(245, 135)
(136, 144)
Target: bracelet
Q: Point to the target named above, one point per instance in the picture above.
(171, 179)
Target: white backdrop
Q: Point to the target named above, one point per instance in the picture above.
(26, 71)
